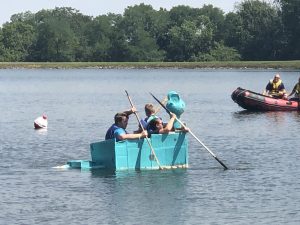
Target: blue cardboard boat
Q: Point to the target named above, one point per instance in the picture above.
(171, 151)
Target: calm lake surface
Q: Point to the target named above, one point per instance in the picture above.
(262, 150)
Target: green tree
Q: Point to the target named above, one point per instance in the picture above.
(233, 29)
(57, 39)
(290, 11)
(224, 53)
(2, 51)
(261, 35)
(99, 34)
(17, 38)
(180, 14)
(189, 40)
(217, 19)
(138, 27)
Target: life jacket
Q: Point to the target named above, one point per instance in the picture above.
(147, 120)
(110, 134)
(151, 126)
(275, 86)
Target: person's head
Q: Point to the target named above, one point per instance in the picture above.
(121, 120)
(149, 109)
(276, 78)
(155, 124)
(158, 123)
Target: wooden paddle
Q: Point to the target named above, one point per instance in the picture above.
(216, 158)
(150, 145)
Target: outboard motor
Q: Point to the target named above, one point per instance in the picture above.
(176, 105)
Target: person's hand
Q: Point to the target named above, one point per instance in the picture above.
(186, 129)
(173, 115)
(144, 134)
(133, 109)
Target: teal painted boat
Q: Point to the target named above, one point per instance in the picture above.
(170, 149)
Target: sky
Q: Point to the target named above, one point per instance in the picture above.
(101, 7)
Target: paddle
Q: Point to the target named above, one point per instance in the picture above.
(159, 107)
(216, 158)
(150, 145)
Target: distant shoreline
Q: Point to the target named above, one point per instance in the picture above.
(295, 65)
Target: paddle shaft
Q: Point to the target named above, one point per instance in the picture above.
(149, 143)
(168, 111)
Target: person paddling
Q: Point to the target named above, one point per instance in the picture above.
(118, 129)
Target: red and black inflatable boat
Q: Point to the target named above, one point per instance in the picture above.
(257, 102)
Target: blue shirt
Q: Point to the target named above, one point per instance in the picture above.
(114, 132)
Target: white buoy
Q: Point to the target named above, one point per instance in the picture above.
(41, 122)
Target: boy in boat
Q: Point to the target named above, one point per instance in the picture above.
(275, 88)
(150, 115)
(118, 129)
(296, 91)
(156, 126)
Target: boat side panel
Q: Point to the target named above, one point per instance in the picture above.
(103, 153)
(171, 149)
(134, 154)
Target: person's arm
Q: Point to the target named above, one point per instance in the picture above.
(125, 136)
(129, 112)
(293, 91)
(169, 125)
(268, 88)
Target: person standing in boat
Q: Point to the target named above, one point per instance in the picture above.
(296, 91)
(275, 88)
(118, 129)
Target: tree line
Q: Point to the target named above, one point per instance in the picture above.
(256, 30)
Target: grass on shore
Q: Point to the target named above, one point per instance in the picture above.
(191, 65)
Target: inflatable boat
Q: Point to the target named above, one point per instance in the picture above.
(257, 102)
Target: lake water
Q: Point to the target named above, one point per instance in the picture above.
(262, 150)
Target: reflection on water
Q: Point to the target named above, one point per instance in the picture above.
(41, 131)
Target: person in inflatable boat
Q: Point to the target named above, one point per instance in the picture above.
(296, 91)
(118, 129)
(275, 88)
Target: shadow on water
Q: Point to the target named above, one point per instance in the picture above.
(277, 115)
(102, 173)
(240, 166)
(249, 112)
